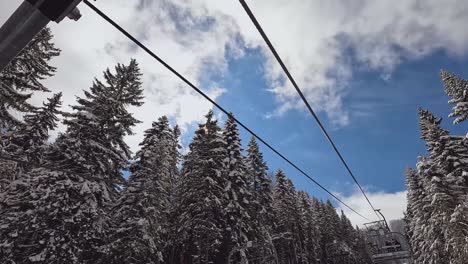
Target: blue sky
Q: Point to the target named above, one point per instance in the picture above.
(365, 66)
(380, 142)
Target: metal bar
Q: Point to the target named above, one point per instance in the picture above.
(385, 220)
(25, 23)
(17, 19)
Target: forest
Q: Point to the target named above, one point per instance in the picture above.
(67, 201)
(83, 196)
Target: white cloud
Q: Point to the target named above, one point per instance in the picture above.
(90, 45)
(313, 37)
(392, 205)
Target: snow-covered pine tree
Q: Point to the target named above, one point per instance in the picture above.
(318, 212)
(419, 211)
(297, 229)
(170, 247)
(346, 230)
(57, 213)
(140, 215)
(238, 195)
(308, 230)
(201, 198)
(438, 190)
(450, 161)
(24, 75)
(28, 140)
(353, 241)
(435, 204)
(453, 161)
(457, 234)
(175, 159)
(286, 215)
(414, 206)
(261, 205)
(360, 247)
(260, 184)
(457, 89)
(330, 232)
(94, 139)
(437, 213)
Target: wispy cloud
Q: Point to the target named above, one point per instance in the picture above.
(392, 205)
(315, 39)
(192, 42)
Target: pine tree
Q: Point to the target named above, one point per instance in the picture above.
(318, 212)
(94, 139)
(170, 248)
(457, 235)
(445, 190)
(175, 159)
(286, 214)
(26, 144)
(346, 230)
(457, 89)
(261, 205)
(24, 74)
(57, 213)
(260, 184)
(200, 197)
(421, 211)
(141, 214)
(331, 243)
(414, 209)
(360, 248)
(28, 140)
(237, 194)
(437, 213)
(308, 230)
(442, 200)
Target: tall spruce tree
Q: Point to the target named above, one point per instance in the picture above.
(457, 235)
(442, 200)
(437, 213)
(360, 247)
(435, 204)
(448, 189)
(457, 89)
(57, 213)
(23, 75)
(26, 144)
(286, 214)
(260, 184)
(140, 215)
(28, 140)
(318, 211)
(422, 211)
(201, 198)
(238, 195)
(175, 159)
(94, 139)
(171, 247)
(414, 209)
(308, 230)
(261, 205)
(331, 243)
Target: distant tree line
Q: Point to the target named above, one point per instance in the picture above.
(67, 201)
(437, 212)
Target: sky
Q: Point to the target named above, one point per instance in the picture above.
(365, 66)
